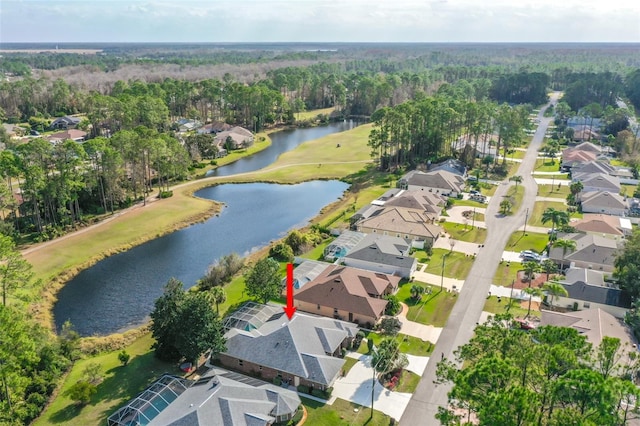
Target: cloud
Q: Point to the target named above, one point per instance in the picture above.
(319, 20)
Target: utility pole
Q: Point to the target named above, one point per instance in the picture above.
(473, 218)
(526, 217)
(442, 274)
(373, 387)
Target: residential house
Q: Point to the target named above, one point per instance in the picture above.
(592, 167)
(594, 324)
(235, 138)
(305, 350)
(384, 254)
(347, 293)
(218, 397)
(71, 134)
(215, 127)
(583, 120)
(425, 202)
(588, 146)
(598, 182)
(572, 157)
(584, 133)
(603, 202)
(64, 123)
(587, 289)
(591, 252)
(402, 223)
(342, 245)
(439, 182)
(601, 224)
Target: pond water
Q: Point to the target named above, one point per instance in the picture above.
(118, 292)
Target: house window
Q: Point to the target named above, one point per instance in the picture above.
(318, 307)
(586, 305)
(240, 362)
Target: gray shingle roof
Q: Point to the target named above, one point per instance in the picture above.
(294, 346)
(383, 249)
(589, 285)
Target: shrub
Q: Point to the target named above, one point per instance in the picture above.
(166, 194)
(303, 389)
(81, 392)
(318, 393)
(124, 357)
(277, 381)
(393, 305)
(281, 252)
(92, 373)
(390, 326)
(370, 345)
(328, 392)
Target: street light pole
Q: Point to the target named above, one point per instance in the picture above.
(526, 217)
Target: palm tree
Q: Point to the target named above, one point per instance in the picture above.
(505, 206)
(565, 245)
(554, 290)
(556, 217)
(575, 188)
(217, 295)
(417, 291)
(532, 291)
(530, 269)
(517, 179)
(550, 267)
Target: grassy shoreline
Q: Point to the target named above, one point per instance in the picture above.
(58, 261)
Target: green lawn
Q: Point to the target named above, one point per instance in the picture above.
(317, 253)
(462, 232)
(342, 413)
(408, 382)
(468, 203)
(553, 191)
(546, 165)
(535, 217)
(408, 344)
(506, 273)
(349, 363)
(507, 305)
(530, 241)
(432, 309)
(457, 265)
(627, 190)
(119, 385)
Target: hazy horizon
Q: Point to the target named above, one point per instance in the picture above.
(317, 21)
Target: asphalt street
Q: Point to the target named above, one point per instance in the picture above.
(466, 313)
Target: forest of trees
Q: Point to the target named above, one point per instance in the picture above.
(419, 101)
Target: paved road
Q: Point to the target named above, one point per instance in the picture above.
(466, 313)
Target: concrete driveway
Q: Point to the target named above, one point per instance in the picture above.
(415, 329)
(356, 386)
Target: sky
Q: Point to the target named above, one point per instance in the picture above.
(60, 21)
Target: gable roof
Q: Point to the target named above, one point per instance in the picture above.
(383, 249)
(592, 323)
(603, 200)
(588, 146)
(349, 289)
(68, 120)
(402, 221)
(599, 223)
(573, 156)
(298, 346)
(590, 249)
(600, 180)
(593, 167)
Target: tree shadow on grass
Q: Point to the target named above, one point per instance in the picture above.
(66, 414)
